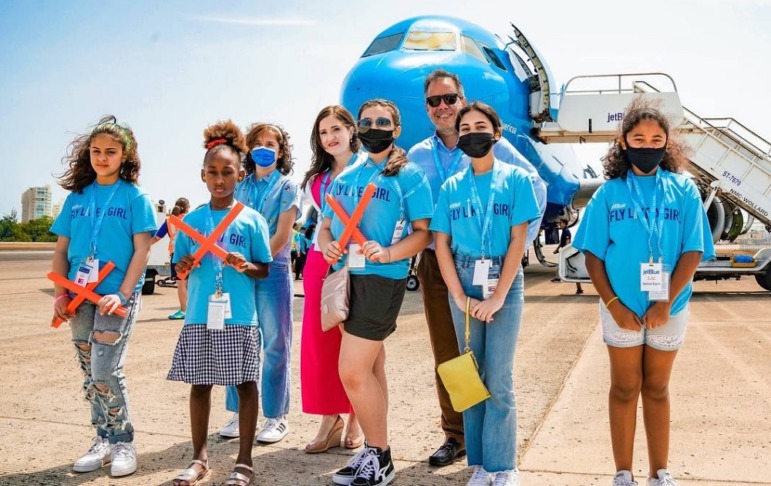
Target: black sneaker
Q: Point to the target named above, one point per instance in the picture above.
(376, 469)
(346, 475)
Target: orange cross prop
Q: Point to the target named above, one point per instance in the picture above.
(352, 223)
(207, 244)
(83, 293)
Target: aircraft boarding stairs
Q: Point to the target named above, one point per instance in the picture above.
(729, 162)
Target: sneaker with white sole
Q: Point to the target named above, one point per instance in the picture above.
(376, 469)
(480, 477)
(623, 478)
(507, 478)
(230, 430)
(664, 479)
(124, 459)
(346, 475)
(275, 429)
(98, 456)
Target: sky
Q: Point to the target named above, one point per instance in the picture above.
(169, 69)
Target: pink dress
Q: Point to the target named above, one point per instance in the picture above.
(322, 390)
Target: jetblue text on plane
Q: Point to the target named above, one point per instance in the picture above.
(615, 117)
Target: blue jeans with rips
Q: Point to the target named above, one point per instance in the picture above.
(491, 426)
(101, 359)
(274, 313)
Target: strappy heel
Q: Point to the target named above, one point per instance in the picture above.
(238, 479)
(190, 476)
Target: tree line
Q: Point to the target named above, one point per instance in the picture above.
(34, 230)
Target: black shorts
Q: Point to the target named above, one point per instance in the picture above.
(375, 305)
(172, 266)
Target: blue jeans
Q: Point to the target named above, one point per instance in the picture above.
(104, 384)
(491, 426)
(274, 314)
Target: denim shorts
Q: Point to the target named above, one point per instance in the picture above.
(667, 337)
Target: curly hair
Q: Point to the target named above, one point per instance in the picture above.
(398, 157)
(675, 157)
(223, 136)
(81, 174)
(321, 160)
(284, 164)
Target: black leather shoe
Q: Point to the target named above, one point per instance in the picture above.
(447, 454)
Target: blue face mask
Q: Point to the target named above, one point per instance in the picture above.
(264, 156)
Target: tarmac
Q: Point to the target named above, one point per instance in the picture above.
(720, 389)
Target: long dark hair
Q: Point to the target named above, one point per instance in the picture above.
(80, 174)
(675, 157)
(321, 160)
(284, 163)
(483, 108)
(398, 157)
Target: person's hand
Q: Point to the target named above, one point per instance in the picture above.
(60, 308)
(108, 304)
(237, 261)
(185, 264)
(624, 317)
(657, 315)
(485, 309)
(556, 251)
(333, 252)
(374, 252)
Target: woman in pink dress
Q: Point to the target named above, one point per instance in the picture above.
(335, 145)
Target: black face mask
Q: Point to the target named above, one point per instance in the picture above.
(476, 144)
(645, 159)
(376, 141)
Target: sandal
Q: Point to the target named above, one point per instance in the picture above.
(238, 479)
(190, 476)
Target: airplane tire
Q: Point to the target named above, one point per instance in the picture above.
(764, 279)
(413, 283)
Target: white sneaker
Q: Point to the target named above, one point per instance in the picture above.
(507, 478)
(623, 478)
(664, 479)
(98, 456)
(480, 477)
(230, 430)
(275, 429)
(124, 459)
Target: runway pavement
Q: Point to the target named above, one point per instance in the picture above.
(721, 394)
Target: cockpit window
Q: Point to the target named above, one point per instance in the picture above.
(430, 41)
(383, 44)
(470, 47)
(493, 57)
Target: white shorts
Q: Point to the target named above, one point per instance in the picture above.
(667, 337)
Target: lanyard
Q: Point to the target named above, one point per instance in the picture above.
(216, 261)
(443, 175)
(96, 221)
(327, 180)
(650, 222)
(477, 202)
(262, 195)
(358, 186)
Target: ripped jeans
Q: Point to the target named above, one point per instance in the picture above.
(100, 345)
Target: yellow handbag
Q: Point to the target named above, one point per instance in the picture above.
(461, 376)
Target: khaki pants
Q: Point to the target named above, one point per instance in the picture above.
(441, 331)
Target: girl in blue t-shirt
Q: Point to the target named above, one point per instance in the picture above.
(378, 274)
(268, 189)
(644, 233)
(219, 343)
(480, 225)
(106, 218)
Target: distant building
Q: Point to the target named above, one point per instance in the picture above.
(36, 203)
(57, 208)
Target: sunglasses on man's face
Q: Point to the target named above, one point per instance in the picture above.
(380, 122)
(449, 99)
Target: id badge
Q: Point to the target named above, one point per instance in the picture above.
(355, 259)
(663, 294)
(93, 276)
(83, 274)
(398, 232)
(215, 317)
(489, 288)
(223, 299)
(481, 271)
(651, 277)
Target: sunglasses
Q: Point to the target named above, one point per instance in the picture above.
(380, 122)
(449, 99)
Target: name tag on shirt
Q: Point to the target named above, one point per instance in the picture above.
(224, 298)
(489, 288)
(355, 259)
(398, 232)
(663, 294)
(481, 271)
(215, 317)
(651, 277)
(93, 276)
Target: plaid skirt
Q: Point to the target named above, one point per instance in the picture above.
(227, 357)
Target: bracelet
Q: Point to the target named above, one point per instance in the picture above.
(57, 299)
(123, 300)
(607, 304)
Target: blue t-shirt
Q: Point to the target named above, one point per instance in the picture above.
(458, 215)
(406, 193)
(610, 230)
(271, 196)
(453, 161)
(247, 235)
(129, 212)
